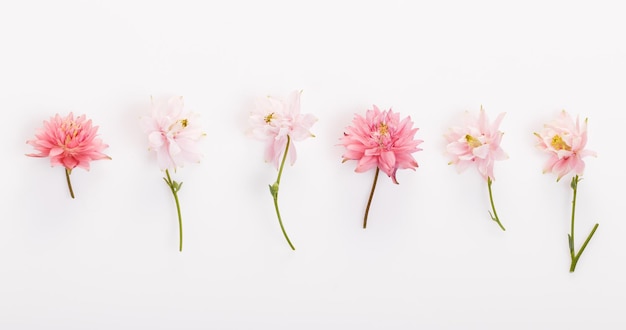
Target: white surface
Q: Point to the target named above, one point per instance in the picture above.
(430, 257)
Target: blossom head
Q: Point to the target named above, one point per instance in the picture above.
(381, 140)
(565, 141)
(477, 142)
(273, 120)
(173, 133)
(69, 142)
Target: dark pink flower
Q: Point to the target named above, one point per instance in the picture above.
(69, 142)
(381, 140)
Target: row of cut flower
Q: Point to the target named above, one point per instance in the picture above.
(379, 140)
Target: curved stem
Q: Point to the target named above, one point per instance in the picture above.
(274, 192)
(69, 183)
(174, 187)
(280, 221)
(369, 201)
(494, 216)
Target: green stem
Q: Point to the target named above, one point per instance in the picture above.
(69, 183)
(494, 216)
(274, 192)
(576, 256)
(572, 268)
(574, 186)
(369, 201)
(174, 187)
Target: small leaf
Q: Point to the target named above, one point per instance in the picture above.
(175, 185)
(571, 243)
(274, 190)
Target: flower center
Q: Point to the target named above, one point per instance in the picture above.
(269, 118)
(71, 129)
(383, 129)
(558, 143)
(178, 126)
(382, 135)
(472, 141)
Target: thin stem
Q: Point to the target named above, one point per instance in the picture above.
(69, 183)
(174, 186)
(494, 216)
(580, 252)
(282, 162)
(274, 192)
(574, 186)
(576, 256)
(369, 201)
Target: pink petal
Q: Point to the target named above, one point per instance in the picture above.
(481, 152)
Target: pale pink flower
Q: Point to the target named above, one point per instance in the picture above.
(381, 140)
(69, 142)
(565, 141)
(476, 142)
(279, 123)
(173, 133)
(273, 120)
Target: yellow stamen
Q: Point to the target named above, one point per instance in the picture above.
(183, 123)
(558, 143)
(383, 129)
(472, 141)
(269, 118)
(71, 129)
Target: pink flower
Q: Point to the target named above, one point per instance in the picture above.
(279, 124)
(565, 141)
(381, 140)
(476, 142)
(69, 142)
(273, 120)
(173, 133)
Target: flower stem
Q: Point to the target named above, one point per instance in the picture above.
(572, 268)
(575, 256)
(175, 187)
(369, 201)
(69, 183)
(274, 191)
(494, 216)
(574, 185)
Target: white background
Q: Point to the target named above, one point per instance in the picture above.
(430, 258)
